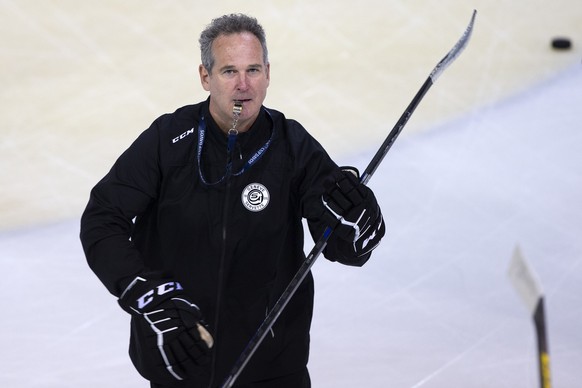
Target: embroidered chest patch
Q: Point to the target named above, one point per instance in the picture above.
(255, 197)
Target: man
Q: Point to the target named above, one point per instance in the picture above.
(197, 228)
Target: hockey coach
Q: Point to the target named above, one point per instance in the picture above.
(197, 228)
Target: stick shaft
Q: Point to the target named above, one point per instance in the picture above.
(543, 346)
(320, 245)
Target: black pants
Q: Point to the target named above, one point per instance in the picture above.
(296, 380)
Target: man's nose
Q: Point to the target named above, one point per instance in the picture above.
(242, 81)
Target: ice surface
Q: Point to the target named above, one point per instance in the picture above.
(434, 307)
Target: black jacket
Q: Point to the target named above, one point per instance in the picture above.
(152, 212)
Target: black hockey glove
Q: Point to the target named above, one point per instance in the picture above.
(353, 211)
(175, 336)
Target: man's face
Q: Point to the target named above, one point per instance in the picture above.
(239, 74)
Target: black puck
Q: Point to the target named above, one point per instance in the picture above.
(561, 43)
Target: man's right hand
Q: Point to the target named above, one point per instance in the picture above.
(177, 331)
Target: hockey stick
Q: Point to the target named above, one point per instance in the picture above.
(528, 287)
(320, 245)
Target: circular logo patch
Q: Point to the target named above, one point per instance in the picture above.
(255, 197)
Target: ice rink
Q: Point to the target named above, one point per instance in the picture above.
(491, 160)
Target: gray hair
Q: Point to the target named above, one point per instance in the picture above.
(227, 25)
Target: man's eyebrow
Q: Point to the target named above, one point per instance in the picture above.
(232, 67)
(227, 67)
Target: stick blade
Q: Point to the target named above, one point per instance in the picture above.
(524, 281)
(455, 51)
(528, 287)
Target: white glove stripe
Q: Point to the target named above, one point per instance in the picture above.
(133, 283)
(354, 225)
(187, 302)
(367, 241)
(343, 221)
(160, 342)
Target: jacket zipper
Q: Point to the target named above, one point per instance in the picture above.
(221, 265)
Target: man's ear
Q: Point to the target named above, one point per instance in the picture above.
(204, 75)
(268, 74)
